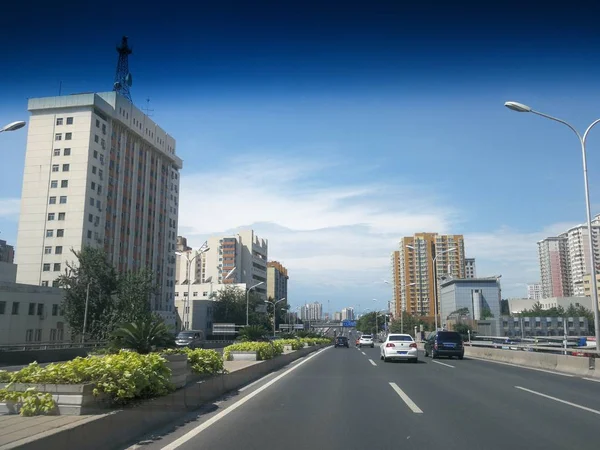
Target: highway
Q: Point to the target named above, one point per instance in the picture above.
(345, 399)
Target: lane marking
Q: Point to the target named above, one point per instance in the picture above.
(574, 405)
(443, 364)
(412, 405)
(203, 426)
(592, 379)
(254, 383)
(372, 362)
(363, 353)
(522, 367)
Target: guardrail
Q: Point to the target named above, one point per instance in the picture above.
(27, 346)
(534, 347)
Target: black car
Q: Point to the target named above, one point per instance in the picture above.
(444, 343)
(342, 341)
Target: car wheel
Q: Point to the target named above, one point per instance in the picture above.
(385, 359)
(381, 357)
(461, 357)
(415, 361)
(372, 346)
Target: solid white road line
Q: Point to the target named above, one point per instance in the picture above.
(574, 405)
(256, 382)
(372, 362)
(443, 364)
(412, 405)
(522, 367)
(592, 379)
(203, 426)
(364, 353)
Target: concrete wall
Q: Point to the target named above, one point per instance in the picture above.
(8, 272)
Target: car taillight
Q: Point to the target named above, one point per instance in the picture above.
(435, 345)
(413, 345)
(389, 344)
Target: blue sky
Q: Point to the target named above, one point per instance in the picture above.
(335, 129)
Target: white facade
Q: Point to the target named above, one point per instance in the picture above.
(348, 313)
(311, 311)
(31, 314)
(554, 267)
(98, 172)
(517, 305)
(578, 250)
(534, 291)
(337, 316)
(470, 271)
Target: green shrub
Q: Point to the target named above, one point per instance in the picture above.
(122, 377)
(252, 333)
(296, 344)
(30, 402)
(201, 361)
(264, 350)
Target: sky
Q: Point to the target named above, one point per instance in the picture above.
(333, 129)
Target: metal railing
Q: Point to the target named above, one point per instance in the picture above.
(50, 346)
(533, 346)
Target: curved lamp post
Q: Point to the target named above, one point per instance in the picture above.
(13, 126)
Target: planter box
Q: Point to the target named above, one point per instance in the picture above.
(243, 356)
(287, 348)
(71, 399)
(180, 370)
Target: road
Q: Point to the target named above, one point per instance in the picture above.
(349, 399)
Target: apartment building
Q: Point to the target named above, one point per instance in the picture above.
(312, 311)
(277, 281)
(554, 267)
(470, 271)
(7, 252)
(534, 291)
(348, 313)
(414, 272)
(98, 172)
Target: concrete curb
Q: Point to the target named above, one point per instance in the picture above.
(120, 428)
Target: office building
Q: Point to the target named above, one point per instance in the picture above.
(348, 313)
(527, 327)
(7, 252)
(534, 291)
(414, 273)
(554, 267)
(277, 281)
(98, 172)
(470, 271)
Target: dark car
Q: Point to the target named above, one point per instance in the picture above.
(342, 341)
(444, 343)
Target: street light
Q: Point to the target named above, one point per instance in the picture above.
(519, 107)
(13, 126)
(186, 311)
(401, 302)
(248, 300)
(275, 311)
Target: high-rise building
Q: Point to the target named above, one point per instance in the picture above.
(554, 266)
(534, 291)
(311, 311)
(578, 249)
(7, 252)
(348, 313)
(98, 172)
(245, 252)
(277, 281)
(337, 316)
(470, 271)
(414, 273)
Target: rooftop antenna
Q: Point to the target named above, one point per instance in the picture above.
(147, 108)
(123, 79)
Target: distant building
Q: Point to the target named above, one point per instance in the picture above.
(470, 271)
(347, 313)
(517, 305)
(554, 266)
(311, 311)
(534, 291)
(277, 281)
(7, 252)
(543, 326)
(337, 316)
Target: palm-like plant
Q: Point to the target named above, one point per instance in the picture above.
(252, 333)
(143, 336)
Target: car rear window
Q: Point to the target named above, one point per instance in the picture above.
(342, 338)
(449, 336)
(366, 336)
(400, 338)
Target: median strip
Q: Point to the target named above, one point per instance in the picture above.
(412, 405)
(574, 405)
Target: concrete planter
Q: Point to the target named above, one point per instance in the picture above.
(243, 356)
(180, 370)
(71, 399)
(287, 348)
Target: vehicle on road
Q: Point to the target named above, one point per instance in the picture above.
(444, 343)
(366, 340)
(342, 341)
(399, 346)
(190, 338)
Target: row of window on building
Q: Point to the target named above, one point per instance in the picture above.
(34, 309)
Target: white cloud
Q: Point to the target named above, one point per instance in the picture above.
(9, 207)
(336, 237)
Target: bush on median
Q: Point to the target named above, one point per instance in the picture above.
(264, 350)
(202, 362)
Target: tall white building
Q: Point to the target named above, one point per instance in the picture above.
(470, 271)
(578, 241)
(311, 311)
(534, 291)
(98, 172)
(348, 313)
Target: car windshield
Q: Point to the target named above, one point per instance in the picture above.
(449, 336)
(400, 338)
(185, 335)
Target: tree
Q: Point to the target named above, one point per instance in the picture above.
(230, 307)
(366, 323)
(463, 329)
(253, 333)
(486, 313)
(143, 335)
(134, 290)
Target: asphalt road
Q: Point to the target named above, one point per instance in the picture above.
(350, 399)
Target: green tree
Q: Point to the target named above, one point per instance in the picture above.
(464, 330)
(230, 307)
(486, 313)
(366, 323)
(410, 322)
(134, 291)
(253, 333)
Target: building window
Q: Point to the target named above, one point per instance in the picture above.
(58, 250)
(46, 267)
(61, 216)
(90, 218)
(63, 199)
(40, 309)
(55, 167)
(58, 137)
(67, 152)
(52, 335)
(38, 335)
(64, 183)
(32, 309)
(69, 121)
(60, 232)
(15, 308)
(57, 267)
(93, 185)
(52, 200)
(96, 139)
(94, 170)
(103, 128)
(92, 202)
(65, 167)
(57, 152)
(100, 173)
(97, 123)
(49, 233)
(53, 184)
(2, 308)
(29, 336)
(95, 153)
(45, 283)
(68, 136)
(55, 283)
(59, 121)
(55, 310)
(50, 216)
(47, 250)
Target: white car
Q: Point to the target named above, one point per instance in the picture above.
(366, 339)
(399, 346)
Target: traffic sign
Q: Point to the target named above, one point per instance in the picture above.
(348, 323)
